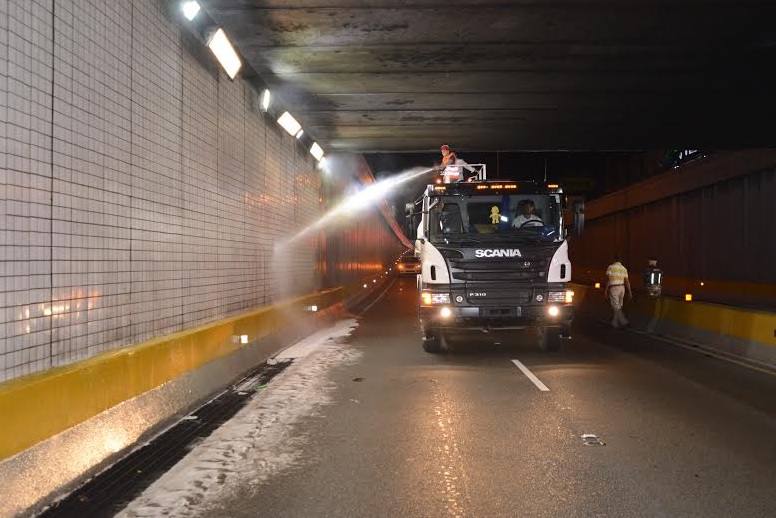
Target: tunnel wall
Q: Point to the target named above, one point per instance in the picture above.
(709, 222)
(142, 192)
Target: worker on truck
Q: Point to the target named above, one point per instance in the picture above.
(451, 167)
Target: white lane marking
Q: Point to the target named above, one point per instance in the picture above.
(530, 375)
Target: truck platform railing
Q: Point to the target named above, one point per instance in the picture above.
(466, 172)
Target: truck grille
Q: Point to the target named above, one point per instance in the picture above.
(523, 269)
(497, 295)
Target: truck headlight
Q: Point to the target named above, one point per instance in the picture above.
(429, 298)
(553, 311)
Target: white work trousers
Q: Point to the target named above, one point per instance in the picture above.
(616, 299)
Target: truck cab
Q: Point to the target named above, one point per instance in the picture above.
(494, 256)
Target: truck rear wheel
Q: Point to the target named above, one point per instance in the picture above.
(549, 338)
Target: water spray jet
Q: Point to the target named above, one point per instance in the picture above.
(364, 198)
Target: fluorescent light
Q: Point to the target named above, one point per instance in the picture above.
(190, 9)
(316, 151)
(323, 165)
(289, 123)
(265, 100)
(225, 53)
(299, 135)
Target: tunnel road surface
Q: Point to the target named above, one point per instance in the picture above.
(627, 426)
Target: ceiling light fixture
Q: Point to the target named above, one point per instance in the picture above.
(190, 9)
(265, 96)
(289, 123)
(316, 151)
(224, 51)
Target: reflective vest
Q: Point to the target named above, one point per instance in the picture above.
(451, 172)
(653, 276)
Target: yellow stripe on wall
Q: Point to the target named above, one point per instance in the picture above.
(680, 285)
(749, 325)
(36, 407)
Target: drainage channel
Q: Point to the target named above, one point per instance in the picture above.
(113, 489)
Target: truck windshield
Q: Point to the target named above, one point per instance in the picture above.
(495, 217)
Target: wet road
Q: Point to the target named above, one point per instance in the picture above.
(469, 434)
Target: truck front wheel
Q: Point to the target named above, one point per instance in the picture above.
(433, 343)
(549, 338)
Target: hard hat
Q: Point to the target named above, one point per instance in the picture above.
(445, 146)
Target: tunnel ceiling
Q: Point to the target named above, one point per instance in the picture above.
(407, 75)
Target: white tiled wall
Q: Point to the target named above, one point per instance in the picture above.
(160, 204)
(26, 76)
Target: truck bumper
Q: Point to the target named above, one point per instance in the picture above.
(489, 318)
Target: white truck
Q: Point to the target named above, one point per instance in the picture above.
(494, 256)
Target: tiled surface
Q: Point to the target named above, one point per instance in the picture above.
(26, 77)
(160, 204)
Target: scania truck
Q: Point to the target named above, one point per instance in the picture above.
(494, 257)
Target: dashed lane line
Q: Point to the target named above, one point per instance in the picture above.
(530, 375)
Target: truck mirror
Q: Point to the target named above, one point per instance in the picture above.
(579, 217)
(412, 225)
(412, 229)
(409, 208)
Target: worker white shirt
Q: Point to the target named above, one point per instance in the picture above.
(616, 273)
(452, 173)
(521, 219)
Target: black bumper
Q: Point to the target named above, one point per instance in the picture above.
(476, 318)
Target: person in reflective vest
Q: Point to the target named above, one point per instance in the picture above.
(451, 172)
(653, 278)
(617, 284)
(453, 169)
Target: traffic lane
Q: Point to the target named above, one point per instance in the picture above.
(468, 434)
(750, 386)
(692, 435)
(393, 444)
(675, 442)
